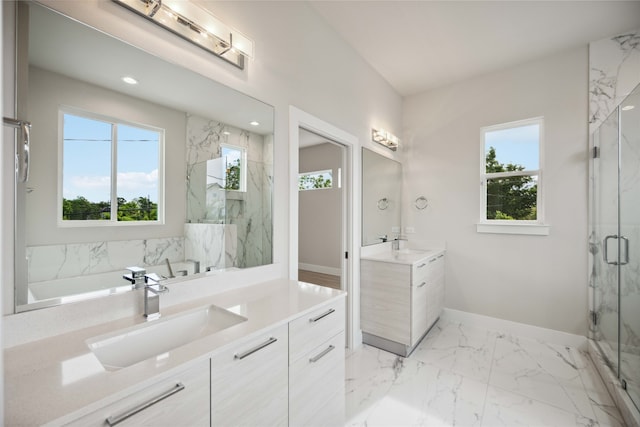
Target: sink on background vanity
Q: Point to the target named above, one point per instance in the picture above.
(402, 296)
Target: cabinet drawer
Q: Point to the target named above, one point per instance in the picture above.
(314, 381)
(436, 268)
(182, 399)
(309, 331)
(249, 382)
(419, 271)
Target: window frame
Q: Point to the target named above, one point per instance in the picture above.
(243, 166)
(318, 172)
(501, 226)
(64, 109)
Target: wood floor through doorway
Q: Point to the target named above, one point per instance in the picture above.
(321, 279)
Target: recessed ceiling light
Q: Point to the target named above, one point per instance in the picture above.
(129, 80)
(226, 133)
(254, 123)
(628, 107)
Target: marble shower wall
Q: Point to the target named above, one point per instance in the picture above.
(208, 203)
(614, 71)
(63, 261)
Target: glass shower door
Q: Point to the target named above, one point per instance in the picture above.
(629, 289)
(605, 228)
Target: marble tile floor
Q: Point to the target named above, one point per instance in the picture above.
(462, 375)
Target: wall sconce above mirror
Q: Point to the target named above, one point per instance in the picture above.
(196, 25)
(385, 138)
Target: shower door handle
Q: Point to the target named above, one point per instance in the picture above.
(605, 252)
(626, 250)
(22, 148)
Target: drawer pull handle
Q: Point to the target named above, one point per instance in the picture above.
(112, 421)
(433, 260)
(422, 265)
(440, 256)
(321, 355)
(422, 284)
(323, 315)
(254, 349)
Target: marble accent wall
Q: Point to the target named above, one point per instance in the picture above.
(53, 262)
(614, 79)
(202, 244)
(209, 203)
(614, 71)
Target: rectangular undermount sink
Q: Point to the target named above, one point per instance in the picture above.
(126, 347)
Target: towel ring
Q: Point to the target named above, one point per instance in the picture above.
(421, 203)
(383, 203)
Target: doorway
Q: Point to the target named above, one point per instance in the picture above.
(321, 231)
(349, 233)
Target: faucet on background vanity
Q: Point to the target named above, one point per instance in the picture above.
(395, 244)
(152, 290)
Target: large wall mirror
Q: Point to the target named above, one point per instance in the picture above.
(170, 172)
(381, 192)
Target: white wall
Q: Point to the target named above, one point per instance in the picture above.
(538, 280)
(49, 91)
(320, 212)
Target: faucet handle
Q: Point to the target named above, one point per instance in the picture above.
(137, 272)
(152, 279)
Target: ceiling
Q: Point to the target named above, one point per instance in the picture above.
(421, 45)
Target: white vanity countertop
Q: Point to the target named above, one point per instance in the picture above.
(403, 256)
(50, 378)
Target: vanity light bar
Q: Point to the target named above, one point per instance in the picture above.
(385, 138)
(196, 25)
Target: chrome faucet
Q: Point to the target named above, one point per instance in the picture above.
(136, 276)
(395, 244)
(152, 290)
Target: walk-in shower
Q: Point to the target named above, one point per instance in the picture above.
(615, 249)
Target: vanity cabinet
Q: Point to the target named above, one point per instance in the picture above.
(400, 301)
(284, 370)
(180, 399)
(317, 367)
(249, 381)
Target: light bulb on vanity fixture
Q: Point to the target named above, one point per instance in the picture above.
(197, 25)
(385, 138)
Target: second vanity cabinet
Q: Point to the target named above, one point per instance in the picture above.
(400, 301)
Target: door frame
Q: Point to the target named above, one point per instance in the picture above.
(351, 210)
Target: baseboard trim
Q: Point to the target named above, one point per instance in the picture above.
(522, 329)
(320, 269)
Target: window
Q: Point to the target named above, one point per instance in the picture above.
(315, 180)
(511, 172)
(110, 172)
(235, 166)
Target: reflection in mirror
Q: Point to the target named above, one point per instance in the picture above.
(381, 190)
(103, 195)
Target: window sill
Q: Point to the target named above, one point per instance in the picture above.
(505, 228)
